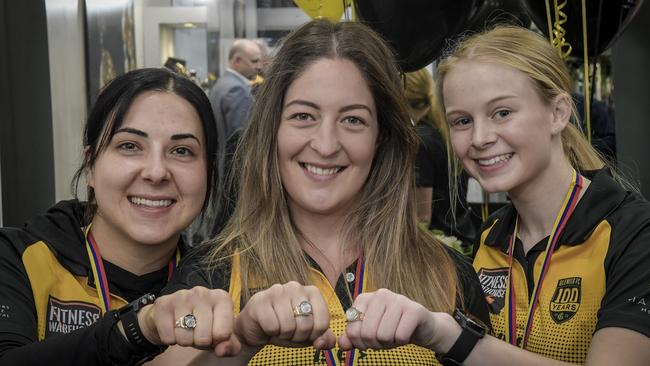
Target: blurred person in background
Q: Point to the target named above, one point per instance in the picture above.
(231, 98)
(454, 227)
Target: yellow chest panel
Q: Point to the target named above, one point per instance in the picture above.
(571, 294)
(63, 302)
(274, 355)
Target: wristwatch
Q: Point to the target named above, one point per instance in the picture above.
(128, 315)
(471, 333)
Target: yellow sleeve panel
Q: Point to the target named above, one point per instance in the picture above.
(64, 302)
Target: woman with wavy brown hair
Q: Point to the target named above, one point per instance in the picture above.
(324, 241)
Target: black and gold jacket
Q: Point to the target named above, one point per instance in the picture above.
(599, 274)
(49, 309)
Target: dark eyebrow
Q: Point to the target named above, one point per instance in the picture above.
(302, 102)
(182, 136)
(131, 130)
(315, 106)
(355, 106)
(178, 136)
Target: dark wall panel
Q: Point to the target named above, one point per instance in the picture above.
(25, 111)
(631, 56)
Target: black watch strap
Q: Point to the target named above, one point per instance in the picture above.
(469, 336)
(128, 315)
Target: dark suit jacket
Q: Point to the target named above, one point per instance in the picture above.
(231, 100)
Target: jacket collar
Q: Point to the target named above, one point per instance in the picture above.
(602, 197)
(239, 76)
(61, 229)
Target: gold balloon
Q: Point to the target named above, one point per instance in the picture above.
(316, 9)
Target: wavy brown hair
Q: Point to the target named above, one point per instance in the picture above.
(399, 256)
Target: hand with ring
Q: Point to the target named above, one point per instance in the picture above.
(198, 317)
(289, 315)
(384, 319)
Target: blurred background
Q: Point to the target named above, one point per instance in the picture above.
(56, 54)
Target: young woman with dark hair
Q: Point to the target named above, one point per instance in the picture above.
(66, 276)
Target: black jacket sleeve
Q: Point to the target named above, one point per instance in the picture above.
(98, 344)
(194, 270)
(626, 303)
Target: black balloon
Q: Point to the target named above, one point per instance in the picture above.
(416, 29)
(492, 12)
(602, 30)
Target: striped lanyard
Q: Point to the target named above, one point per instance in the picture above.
(359, 286)
(99, 273)
(563, 215)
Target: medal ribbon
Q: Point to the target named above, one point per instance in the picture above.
(99, 273)
(563, 215)
(360, 284)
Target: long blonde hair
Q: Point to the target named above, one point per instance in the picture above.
(399, 256)
(532, 54)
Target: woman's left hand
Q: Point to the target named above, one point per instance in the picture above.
(271, 317)
(389, 320)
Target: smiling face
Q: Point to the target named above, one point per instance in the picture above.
(150, 182)
(327, 138)
(501, 130)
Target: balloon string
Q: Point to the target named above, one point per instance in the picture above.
(548, 21)
(557, 38)
(594, 61)
(348, 10)
(586, 76)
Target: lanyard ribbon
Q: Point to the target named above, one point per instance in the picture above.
(359, 286)
(99, 273)
(563, 215)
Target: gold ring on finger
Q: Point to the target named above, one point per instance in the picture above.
(186, 322)
(353, 314)
(304, 308)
